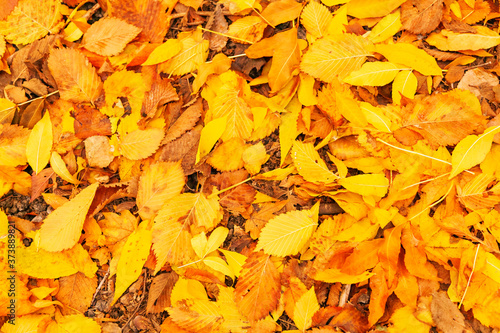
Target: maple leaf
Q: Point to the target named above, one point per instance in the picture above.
(258, 287)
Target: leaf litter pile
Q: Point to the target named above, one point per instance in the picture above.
(249, 166)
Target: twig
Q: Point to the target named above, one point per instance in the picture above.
(100, 286)
(31, 100)
(346, 290)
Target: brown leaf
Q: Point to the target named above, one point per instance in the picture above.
(15, 94)
(185, 122)
(258, 287)
(217, 22)
(446, 314)
(90, 122)
(161, 92)
(421, 17)
(183, 148)
(146, 14)
(39, 182)
(159, 292)
(36, 86)
(98, 151)
(75, 292)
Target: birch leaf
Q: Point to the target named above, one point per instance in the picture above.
(286, 234)
(316, 17)
(304, 310)
(410, 55)
(140, 144)
(335, 56)
(310, 165)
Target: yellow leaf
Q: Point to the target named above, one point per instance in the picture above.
(229, 102)
(334, 56)
(248, 29)
(109, 36)
(13, 140)
(63, 227)
(31, 20)
(197, 315)
(373, 74)
(219, 265)
(219, 64)
(42, 264)
(410, 55)
(57, 164)
(235, 261)
(27, 323)
(234, 321)
(471, 151)
(7, 111)
(281, 11)
(376, 117)
(403, 320)
(387, 27)
(187, 289)
(405, 83)
(77, 323)
(339, 22)
(287, 233)
(210, 134)
(447, 40)
(306, 92)
(368, 184)
(140, 144)
(164, 52)
(288, 128)
(171, 242)
(253, 158)
(76, 79)
(310, 165)
(372, 8)
(304, 309)
(194, 52)
(125, 84)
(132, 259)
(203, 247)
(333, 275)
(158, 183)
(234, 147)
(39, 144)
(316, 17)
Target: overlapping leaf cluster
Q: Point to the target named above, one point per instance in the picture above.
(158, 153)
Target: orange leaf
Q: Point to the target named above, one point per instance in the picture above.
(258, 288)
